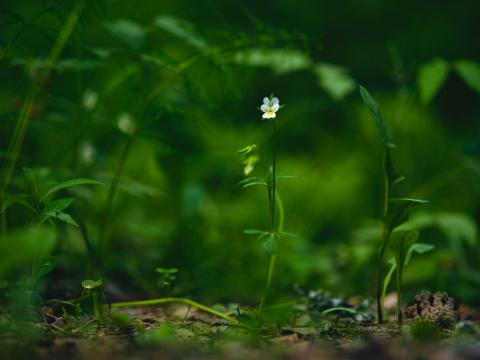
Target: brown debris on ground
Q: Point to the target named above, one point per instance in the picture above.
(438, 308)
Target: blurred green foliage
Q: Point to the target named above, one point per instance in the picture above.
(154, 100)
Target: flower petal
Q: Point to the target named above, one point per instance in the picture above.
(275, 107)
(269, 115)
(264, 107)
(266, 101)
(275, 101)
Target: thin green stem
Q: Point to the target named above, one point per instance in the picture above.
(399, 296)
(274, 171)
(400, 265)
(383, 247)
(271, 268)
(175, 300)
(103, 237)
(275, 201)
(281, 212)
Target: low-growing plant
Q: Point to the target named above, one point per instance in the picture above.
(93, 289)
(166, 276)
(395, 210)
(268, 238)
(37, 197)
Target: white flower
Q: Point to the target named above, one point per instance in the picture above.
(270, 107)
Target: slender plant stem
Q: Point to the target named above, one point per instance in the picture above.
(272, 191)
(281, 212)
(383, 247)
(399, 296)
(274, 171)
(271, 268)
(175, 300)
(103, 246)
(24, 116)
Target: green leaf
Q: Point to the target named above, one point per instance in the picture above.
(166, 271)
(72, 64)
(419, 248)
(91, 284)
(65, 218)
(288, 234)
(253, 232)
(51, 208)
(287, 177)
(47, 266)
(430, 79)
(401, 242)
(270, 244)
(469, 71)
(398, 211)
(181, 29)
(70, 183)
(281, 61)
(335, 80)
(457, 227)
(391, 172)
(377, 117)
(128, 31)
(252, 181)
(20, 199)
(388, 277)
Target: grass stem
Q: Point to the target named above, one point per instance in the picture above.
(175, 300)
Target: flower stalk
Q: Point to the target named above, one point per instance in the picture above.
(270, 107)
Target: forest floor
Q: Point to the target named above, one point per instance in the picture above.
(177, 331)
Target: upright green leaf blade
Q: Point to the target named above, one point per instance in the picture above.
(377, 117)
(430, 79)
(394, 177)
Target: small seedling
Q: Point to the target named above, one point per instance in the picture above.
(92, 289)
(395, 211)
(167, 275)
(402, 249)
